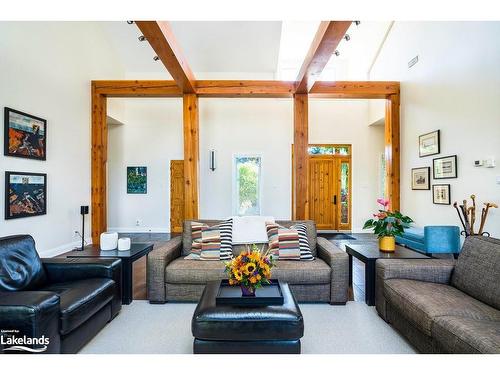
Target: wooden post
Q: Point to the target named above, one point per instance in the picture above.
(98, 165)
(392, 158)
(191, 155)
(300, 144)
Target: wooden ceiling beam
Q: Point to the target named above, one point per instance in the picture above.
(160, 36)
(242, 89)
(134, 88)
(355, 89)
(324, 44)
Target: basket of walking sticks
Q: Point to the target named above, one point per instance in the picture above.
(467, 216)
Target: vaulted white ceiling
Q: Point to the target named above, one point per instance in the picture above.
(247, 49)
(209, 46)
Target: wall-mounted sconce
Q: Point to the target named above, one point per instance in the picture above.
(211, 160)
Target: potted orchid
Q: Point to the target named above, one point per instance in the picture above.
(387, 225)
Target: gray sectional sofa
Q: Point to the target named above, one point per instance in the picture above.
(170, 277)
(445, 306)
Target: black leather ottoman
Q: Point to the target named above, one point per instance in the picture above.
(246, 330)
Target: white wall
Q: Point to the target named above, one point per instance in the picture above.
(455, 87)
(346, 121)
(151, 136)
(46, 69)
(240, 126)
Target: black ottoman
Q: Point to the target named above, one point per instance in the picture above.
(246, 330)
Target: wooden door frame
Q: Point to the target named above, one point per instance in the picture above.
(335, 157)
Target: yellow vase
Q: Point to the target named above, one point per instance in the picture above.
(387, 243)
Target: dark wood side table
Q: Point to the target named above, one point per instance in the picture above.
(368, 253)
(137, 251)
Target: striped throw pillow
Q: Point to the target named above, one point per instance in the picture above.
(196, 230)
(211, 243)
(305, 249)
(283, 242)
(226, 239)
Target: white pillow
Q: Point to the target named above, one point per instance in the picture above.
(250, 229)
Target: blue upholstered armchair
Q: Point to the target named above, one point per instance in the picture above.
(432, 239)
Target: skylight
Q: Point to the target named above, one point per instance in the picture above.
(296, 38)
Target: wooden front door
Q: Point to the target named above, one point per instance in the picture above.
(322, 189)
(176, 195)
(329, 186)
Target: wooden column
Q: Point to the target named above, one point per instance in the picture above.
(191, 156)
(300, 144)
(98, 165)
(392, 157)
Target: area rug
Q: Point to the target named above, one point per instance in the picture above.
(143, 328)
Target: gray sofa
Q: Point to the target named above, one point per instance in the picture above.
(445, 306)
(170, 277)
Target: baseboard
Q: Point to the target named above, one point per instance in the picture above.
(138, 230)
(51, 253)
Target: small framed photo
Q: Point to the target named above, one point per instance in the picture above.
(25, 194)
(445, 167)
(25, 135)
(441, 194)
(420, 178)
(137, 180)
(429, 144)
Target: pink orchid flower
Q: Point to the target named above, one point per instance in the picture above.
(383, 202)
(380, 215)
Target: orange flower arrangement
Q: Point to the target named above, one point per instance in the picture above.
(250, 269)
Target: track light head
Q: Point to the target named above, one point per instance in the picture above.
(347, 37)
(142, 38)
(357, 23)
(337, 53)
(130, 22)
(156, 58)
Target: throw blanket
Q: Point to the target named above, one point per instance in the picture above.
(250, 229)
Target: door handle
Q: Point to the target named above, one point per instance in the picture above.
(334, 199)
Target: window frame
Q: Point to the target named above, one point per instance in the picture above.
(235, 183)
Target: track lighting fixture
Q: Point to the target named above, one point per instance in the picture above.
(347, 37)
(130, 22)
(142, 38)
(337, 53)
(156, 58)
(357, 23)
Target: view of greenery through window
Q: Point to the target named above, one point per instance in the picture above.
(328, 150)
(247, 185)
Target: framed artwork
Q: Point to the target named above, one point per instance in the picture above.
(25, 135)
(428, 144)
(441, 194)
(420, 178)
(137, 180)
(25, 194)
(445, 167)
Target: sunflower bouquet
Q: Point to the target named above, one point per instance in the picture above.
(250, 269)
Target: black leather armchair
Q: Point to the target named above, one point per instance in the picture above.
(53, 305)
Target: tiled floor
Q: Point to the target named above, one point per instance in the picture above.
(358, 278)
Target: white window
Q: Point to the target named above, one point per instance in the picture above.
(246, 185)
